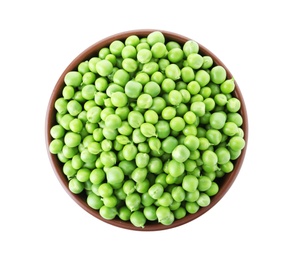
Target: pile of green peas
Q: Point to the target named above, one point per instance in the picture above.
(146, 129)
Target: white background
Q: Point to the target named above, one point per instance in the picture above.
(255, 219)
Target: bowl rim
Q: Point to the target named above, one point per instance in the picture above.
(49, 121)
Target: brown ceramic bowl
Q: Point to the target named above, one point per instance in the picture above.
(224, 183)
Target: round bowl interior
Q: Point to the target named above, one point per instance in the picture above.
(224, 183)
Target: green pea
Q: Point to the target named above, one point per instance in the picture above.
(158, 50)
(155, 37)
(172, 71)
(175, 168)
(190, 183)
(195, 60)
(207, 62)
(138, 219)
(133, 89)
(177, 124)
(217, 120)
(223, 155)
(121, 77)
(129, 151)
(190, 47)
(75, 186)
(155, 191)
(148, 129)
(154, 144)
(236, 143)
(73, 78)
(203, 200)
(168, 144)
(198, 107)
(218, 74)
(191, 142)
(202, 77)
(181, 153)
(144, 101)
(139, 174)
(162, 129)
(133, 201)
(214, 136)
(158, 104)
(152, 88)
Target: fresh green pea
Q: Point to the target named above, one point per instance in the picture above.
(217, 120)
(73, 78)
(214, 136)
(175, 55)
(195, 60)
(162, 63)
(148, 129)
(133, 89)
(152, 88)
(150, 213)
(156, 191)
(162, 129)
(233, 105)
(158, 50)
(190, 47)
(138, 137)
(124, 213)
(75, 186)
(172, 71)
(135, 119)
(227, 86)
(133, 201)
(168, 85)
(236, 143)
(157, 77)
(168, 113)
(154, 143)
(94, 201)
(155, 165)
(198, 107)
(181, 153)
(139, 174)
(235, 118)
(68, 92)
(155, 37)
(190, 183)
(203, 200)
(193, 87)
(164, 215)
(144, 56)
(130, 151)
(172, 44)
(151, 117)
(169, 143)
(116, 47)
(202, 77)
(207, 62)
(187, 74)
(150, 67)
(178, 193)
(121, 77)
(218, 74)
(61, 105)
(175, 168)
(158, 104)
(138, 219)
(177, 123)
(144, 101)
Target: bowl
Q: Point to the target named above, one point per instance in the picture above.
(224, 183)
